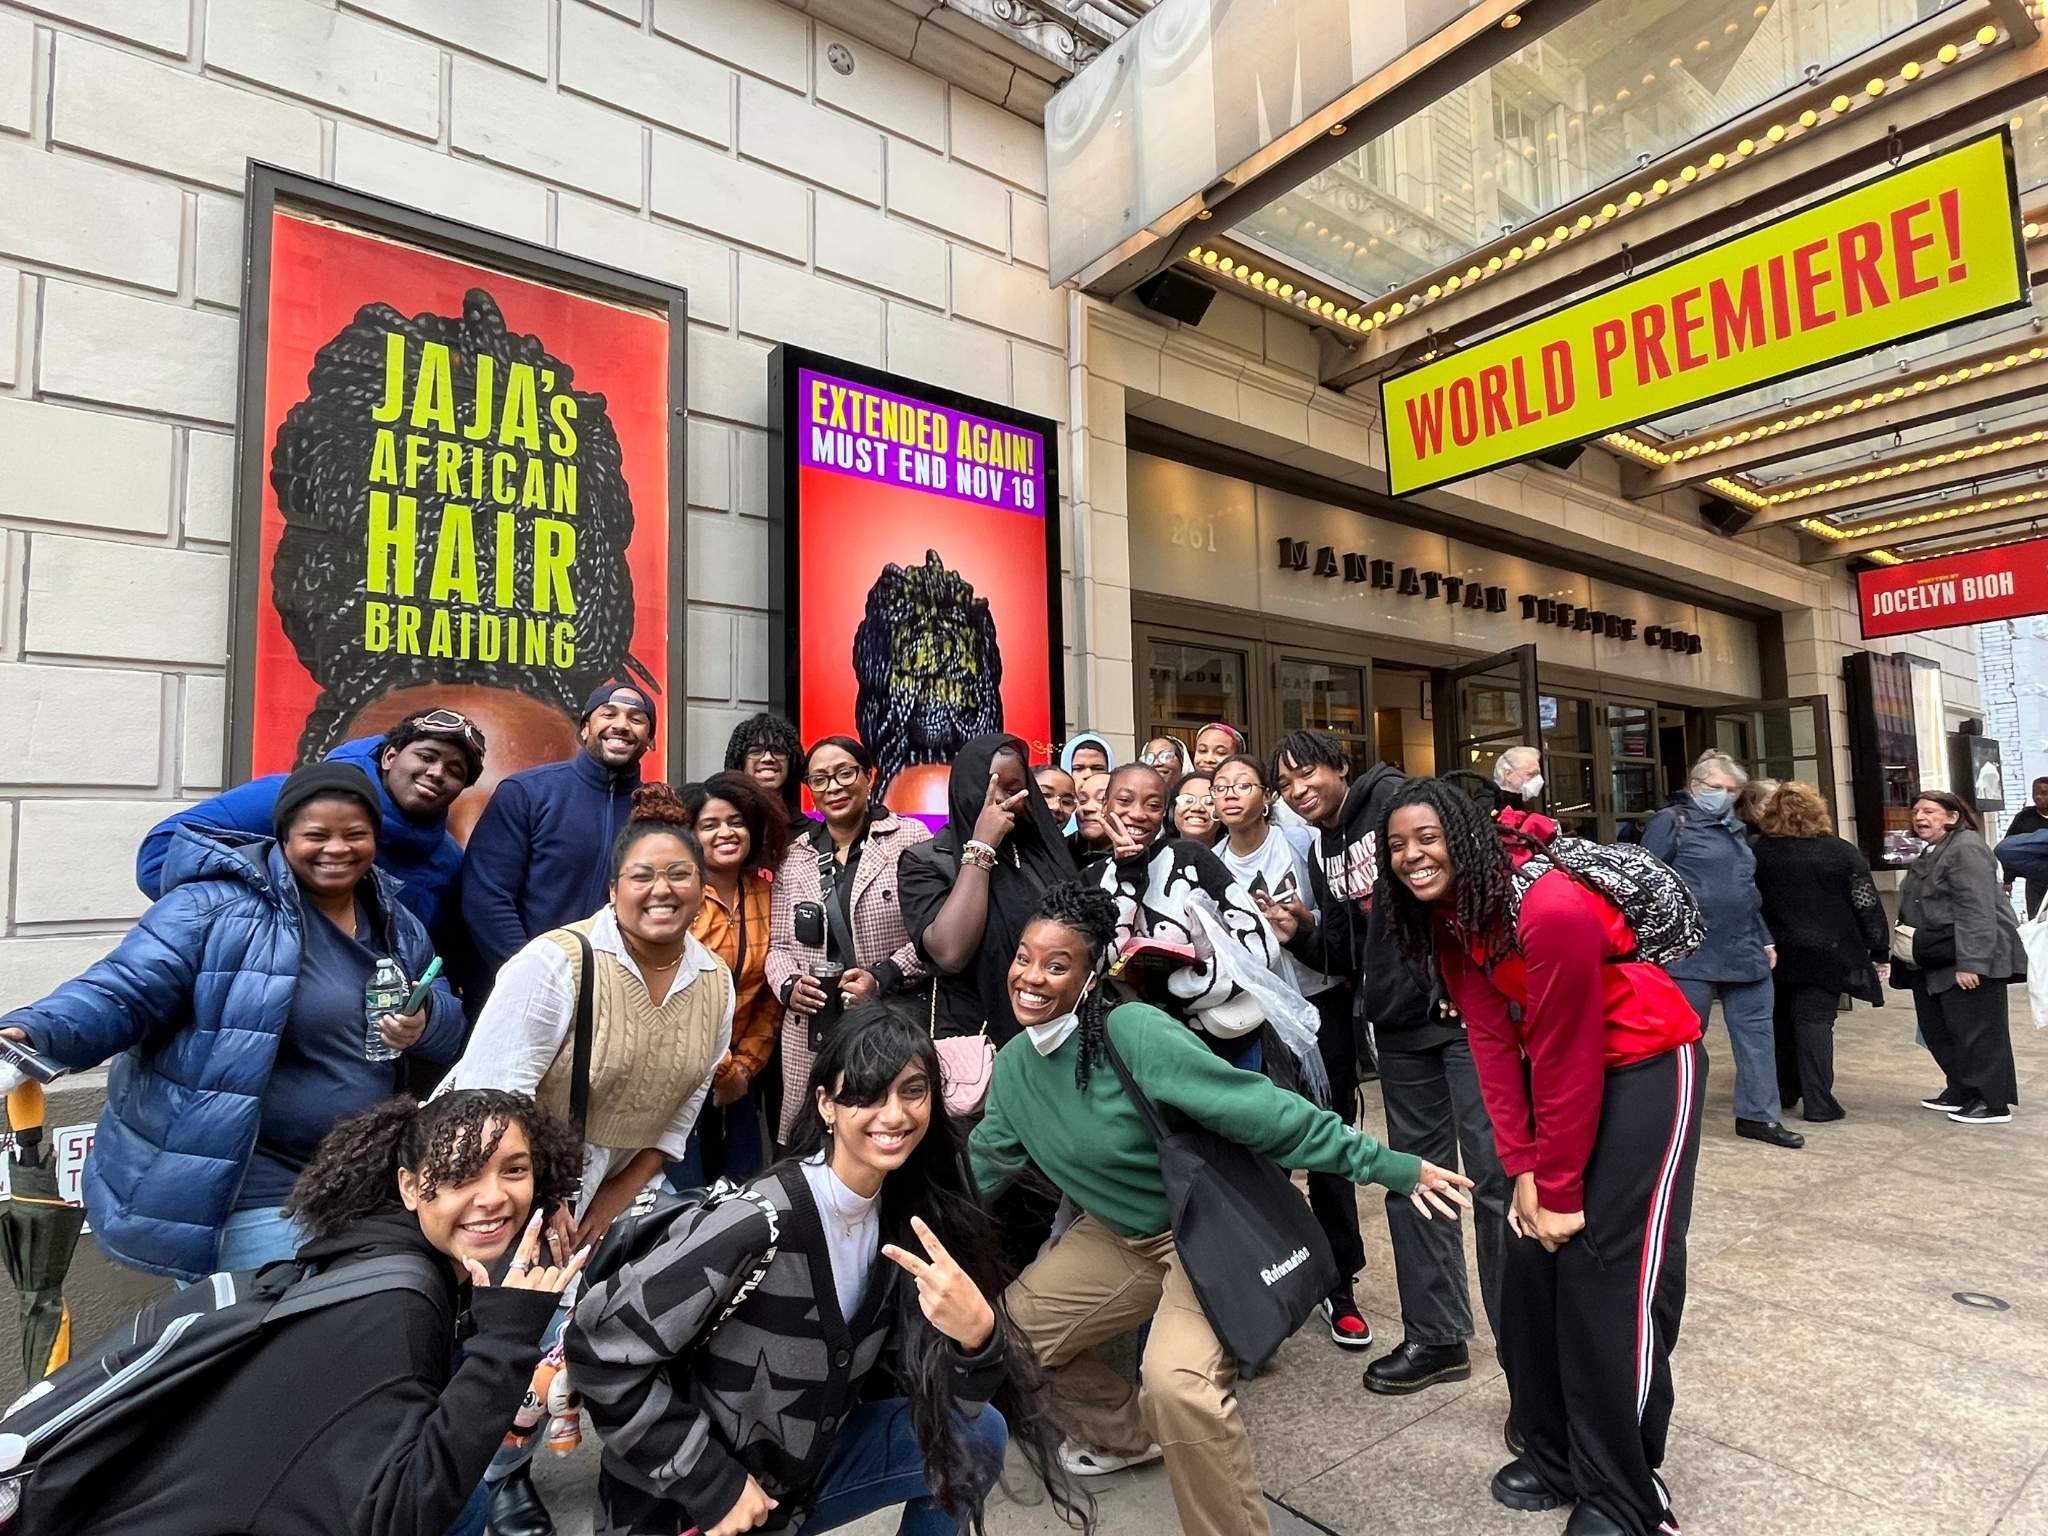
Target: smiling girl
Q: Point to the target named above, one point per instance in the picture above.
(870, 1366)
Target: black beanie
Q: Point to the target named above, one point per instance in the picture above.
(606, 693)
(323, 781)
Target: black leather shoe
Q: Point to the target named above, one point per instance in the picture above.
(1517, 1486)
(1412, 1366)
(1587, 1520)
(1511, 1437)
(1770, 1131)
(516, 1509)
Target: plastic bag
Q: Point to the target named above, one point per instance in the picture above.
(2034, 941)
(1293, 1017)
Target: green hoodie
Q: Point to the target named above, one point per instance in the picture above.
(1092, 1143)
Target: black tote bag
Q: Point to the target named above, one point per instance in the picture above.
(1247, 1239)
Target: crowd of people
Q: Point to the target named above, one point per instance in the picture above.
(902, 1095)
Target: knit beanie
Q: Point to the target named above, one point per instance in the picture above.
(628, 695)
(323, 781)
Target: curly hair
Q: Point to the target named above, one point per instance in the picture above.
(1482, 877)
(766, 821)
(447, 1141)
(1089, 911)
(768, 733)
(1796, 810)
(658, 811)
(860, 1060)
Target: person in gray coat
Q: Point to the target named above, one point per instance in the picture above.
(1699, 836)
(1965, 950)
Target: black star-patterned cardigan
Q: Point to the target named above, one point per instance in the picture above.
(685, 1419)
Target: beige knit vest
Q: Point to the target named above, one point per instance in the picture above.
(646, 1059)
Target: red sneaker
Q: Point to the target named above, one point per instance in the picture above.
(1348, 1327)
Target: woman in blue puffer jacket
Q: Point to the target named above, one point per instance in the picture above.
(234, 1015)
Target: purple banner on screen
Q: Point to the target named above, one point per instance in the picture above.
(844, 428)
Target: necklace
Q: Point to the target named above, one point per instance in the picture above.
(849, 1209)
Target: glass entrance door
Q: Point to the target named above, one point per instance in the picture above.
(1633, 781)
(1315, 694)
(1189, 682)
(1780, 739)
(1487, 706)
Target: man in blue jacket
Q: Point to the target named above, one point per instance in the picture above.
(419, 766)
(540, 856)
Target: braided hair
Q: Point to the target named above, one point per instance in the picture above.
(1482, 878)
(1089, 911)
(929, 668)
(447, 1141)
(316, 469)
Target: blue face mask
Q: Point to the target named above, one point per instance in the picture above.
(1713, 801)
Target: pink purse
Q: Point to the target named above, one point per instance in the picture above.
(966, 1063)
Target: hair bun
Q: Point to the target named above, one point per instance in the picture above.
(659, 802)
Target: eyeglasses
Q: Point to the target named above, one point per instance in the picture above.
(758, 755)
(641, 877)
(1183, 802)
(1159, 759)
(450, 720)
(1239, 791)
(838, 778)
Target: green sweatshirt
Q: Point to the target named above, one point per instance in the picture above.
(1093, 1145)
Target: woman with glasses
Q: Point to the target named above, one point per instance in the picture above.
(767, 749)
(1166, 756)
(1193, 807)
(661, 1015)
(1061, 798)
(836, 935)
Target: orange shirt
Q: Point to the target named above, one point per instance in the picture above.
(756, 1015)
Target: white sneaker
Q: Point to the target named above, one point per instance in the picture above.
(1086, 1461)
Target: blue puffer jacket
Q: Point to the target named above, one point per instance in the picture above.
(419, 856)
(191, 1003)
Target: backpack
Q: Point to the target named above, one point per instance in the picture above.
(1662, 913)
(71, 1433)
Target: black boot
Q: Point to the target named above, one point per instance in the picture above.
(516, 1509)
(1587, 1520)
(1517, 1486)
(1412, 1366)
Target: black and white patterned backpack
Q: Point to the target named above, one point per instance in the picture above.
(1662, 913)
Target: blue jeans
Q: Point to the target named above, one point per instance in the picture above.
(877, 1464)
(1749, 1009)
(725, 1144)
(252, 1239)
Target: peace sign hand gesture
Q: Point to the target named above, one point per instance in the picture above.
(952, 1302)
(999, 813)
(525, 1274)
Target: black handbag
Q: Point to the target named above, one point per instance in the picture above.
(1247, 1239)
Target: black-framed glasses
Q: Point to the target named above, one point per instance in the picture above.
(757, 755)
(1239, 791)
(837, 778)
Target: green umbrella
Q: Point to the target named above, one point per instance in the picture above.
(38, 1234)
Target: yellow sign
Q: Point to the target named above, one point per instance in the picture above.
(1926, 246)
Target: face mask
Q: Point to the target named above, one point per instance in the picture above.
(1713, 801)
(1532, 787)
(1052, 1034)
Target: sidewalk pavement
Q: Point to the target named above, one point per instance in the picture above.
(1829, 1381)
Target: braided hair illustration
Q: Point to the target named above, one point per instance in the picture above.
(929, 668)
(317, 468)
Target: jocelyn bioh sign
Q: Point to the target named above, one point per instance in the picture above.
(919, 570)
(1942, 591)
(459, 461)
(1926, 246)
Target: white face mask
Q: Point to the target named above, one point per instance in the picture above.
(1052, 1034)
(1532, 787)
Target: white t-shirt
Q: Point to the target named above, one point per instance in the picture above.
(1280, 867)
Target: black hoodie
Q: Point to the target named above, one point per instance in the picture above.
(1354, 941)
(355, 1420)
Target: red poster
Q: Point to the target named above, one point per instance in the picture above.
(923, 548)
(465, 500)
(2008, 582)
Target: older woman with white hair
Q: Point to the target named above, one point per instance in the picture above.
(1698, 835)
(1518, 775)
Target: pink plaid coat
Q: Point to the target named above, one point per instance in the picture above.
(878, 934)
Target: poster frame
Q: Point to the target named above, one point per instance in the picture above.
(272, 189)
(1625, 421)
(785, 516)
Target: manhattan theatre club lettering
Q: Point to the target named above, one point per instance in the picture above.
(1437, 586)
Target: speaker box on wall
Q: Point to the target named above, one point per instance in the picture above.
(1176, 296)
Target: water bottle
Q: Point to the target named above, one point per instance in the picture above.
(384, 994)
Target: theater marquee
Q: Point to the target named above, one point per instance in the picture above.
(1929, 245)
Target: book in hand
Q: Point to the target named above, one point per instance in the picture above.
(1150, 957)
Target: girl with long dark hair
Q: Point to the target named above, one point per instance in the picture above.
(1593, 1073)
(1057, 1102)
(879, 1258)
(363, 1418)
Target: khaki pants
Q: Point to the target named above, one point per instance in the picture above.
(1092, 1286)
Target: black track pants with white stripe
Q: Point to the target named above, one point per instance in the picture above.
(1587, 1332)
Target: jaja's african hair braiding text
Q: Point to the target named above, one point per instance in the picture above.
(444, 1141)
(1089, 911)
(318, 464)
(1482, 896)
(658, 811)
